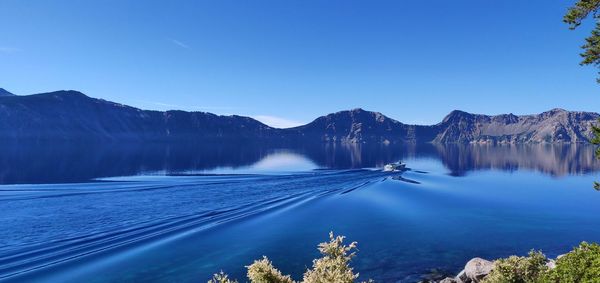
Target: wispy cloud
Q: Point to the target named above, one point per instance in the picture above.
(277, 122)
(9, 50)
(179, 43)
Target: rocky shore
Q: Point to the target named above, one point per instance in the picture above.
(477, 269)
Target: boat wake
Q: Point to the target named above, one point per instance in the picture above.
(46, 225)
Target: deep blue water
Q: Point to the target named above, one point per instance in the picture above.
(127, 213)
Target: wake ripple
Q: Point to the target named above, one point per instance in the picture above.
(59, 223)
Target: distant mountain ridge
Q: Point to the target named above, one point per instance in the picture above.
(355, 126)
(4, 92)
(71, 115)
(556, 125)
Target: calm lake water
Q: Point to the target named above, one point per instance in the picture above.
(179, 213)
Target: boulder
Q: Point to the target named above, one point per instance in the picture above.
(448, 280)
(462, 277)
(475, 270)
(551, 264)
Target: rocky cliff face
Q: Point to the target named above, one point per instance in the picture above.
(554, 126)
(353, 126)
(360, 126)
(72, 115)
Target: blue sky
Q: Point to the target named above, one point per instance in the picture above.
(287, 62)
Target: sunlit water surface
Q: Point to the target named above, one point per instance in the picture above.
(164, 214)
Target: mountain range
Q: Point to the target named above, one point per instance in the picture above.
(71, 115)
(4, 92)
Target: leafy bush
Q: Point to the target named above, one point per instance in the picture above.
(262, 271)
(221, 277)
(334, 266)
(580, 265)
(516, 269)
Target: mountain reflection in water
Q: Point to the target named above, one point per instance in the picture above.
(73, 162)
(180, 212)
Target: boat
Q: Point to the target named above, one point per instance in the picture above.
(393, 167)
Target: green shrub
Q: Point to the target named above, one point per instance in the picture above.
(221, 277)
(580, 265)
(516, 269)
(262, 271)
(334, 266)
